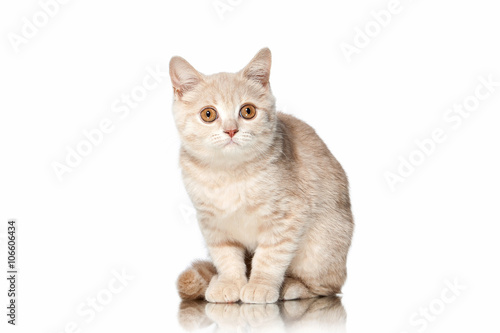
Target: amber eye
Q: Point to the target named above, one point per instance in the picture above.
(208, 114)
(248, 111)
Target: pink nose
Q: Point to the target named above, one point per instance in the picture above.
(231, 133)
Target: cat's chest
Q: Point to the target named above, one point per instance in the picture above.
(235, 205)
(227, 195)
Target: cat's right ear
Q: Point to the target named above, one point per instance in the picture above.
(184, 77)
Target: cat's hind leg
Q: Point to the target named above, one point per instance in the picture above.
(293, 288)
(193, 282)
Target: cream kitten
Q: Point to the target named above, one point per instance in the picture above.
(271, 200)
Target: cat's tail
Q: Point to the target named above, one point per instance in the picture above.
(193, 282)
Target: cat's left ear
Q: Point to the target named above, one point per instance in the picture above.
(259, 68)
(183, 76)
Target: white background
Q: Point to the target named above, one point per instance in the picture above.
(124, 206)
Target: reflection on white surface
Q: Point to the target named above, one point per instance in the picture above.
(325, 314)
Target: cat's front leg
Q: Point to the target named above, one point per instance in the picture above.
(229, 259)
(269, 264)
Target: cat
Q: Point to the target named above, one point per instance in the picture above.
(272, 202)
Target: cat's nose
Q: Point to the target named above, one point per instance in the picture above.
(231, 132)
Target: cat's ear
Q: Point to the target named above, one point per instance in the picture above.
(259, 68)
(184, 77)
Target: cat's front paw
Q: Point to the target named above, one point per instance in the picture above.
(222, 290)
(259, 293)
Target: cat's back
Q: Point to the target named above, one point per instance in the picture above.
(315, 163)
(306, 143)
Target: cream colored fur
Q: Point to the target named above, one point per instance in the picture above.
(272, 202)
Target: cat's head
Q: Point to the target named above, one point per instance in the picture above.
(224, 117)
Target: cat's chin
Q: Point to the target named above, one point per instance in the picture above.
(233, 150)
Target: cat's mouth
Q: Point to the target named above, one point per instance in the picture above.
(231, 143)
